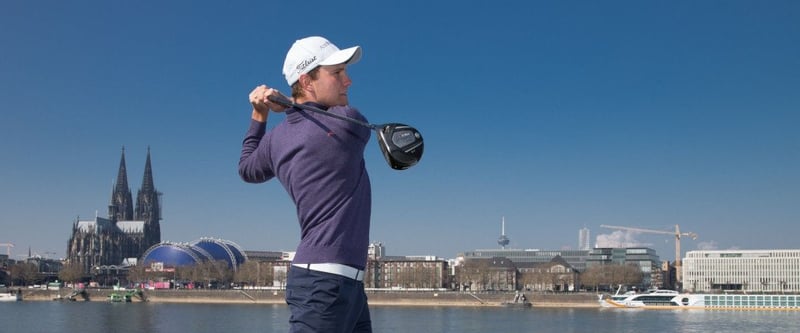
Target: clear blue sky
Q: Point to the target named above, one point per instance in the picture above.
(557, 115)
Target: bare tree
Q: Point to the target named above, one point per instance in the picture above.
(429, 277)
(475, 273)
(212, 272)
(266, 274)
(612, 275)
(247, 274)
(527, 279)
(542, 280)
(183, 274)
(631, 275)
(137, 274)
(224, 273)
(404, 278)
(25, 273)
(592, 276)
(71, 272)
(279, 274)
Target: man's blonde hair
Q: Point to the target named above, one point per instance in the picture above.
(297, 90)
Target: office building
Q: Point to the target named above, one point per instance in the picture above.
(575, 258)
(584, 239)
(756, 271)
(644, 258)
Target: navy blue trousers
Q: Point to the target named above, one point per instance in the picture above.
(324, 302)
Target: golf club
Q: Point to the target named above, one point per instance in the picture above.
(400, 144)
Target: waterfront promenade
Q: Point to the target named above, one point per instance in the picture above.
(388, 298)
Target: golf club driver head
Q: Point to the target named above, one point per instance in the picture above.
(400, 144)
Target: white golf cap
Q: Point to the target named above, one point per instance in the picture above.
(310, 52)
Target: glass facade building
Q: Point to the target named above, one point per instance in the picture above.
(645, 258)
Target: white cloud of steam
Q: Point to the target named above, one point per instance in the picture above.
(713, 246)
(707, 246)
(619, 239)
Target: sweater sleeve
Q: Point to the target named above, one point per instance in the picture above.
(254, 163)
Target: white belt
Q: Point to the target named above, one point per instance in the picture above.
(338, 269)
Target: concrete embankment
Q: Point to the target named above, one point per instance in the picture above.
(378, 298)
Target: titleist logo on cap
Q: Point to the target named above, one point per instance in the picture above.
(305, 63)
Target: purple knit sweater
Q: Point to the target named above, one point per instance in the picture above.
(319, 160)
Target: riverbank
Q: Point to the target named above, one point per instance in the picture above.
(377, 298)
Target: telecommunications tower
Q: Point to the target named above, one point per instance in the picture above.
(503, 240)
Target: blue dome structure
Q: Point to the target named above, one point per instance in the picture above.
(221, 250)
(202, 250)
(173, 254)
(238, 251)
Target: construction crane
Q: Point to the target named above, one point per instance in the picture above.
(8, 248)
(677, 233)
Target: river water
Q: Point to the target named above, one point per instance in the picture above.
(97, 317)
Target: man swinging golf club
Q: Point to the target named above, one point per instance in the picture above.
(319, 160)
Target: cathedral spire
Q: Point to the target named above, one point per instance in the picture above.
(148, 206)
(122, 175)
(121, 207)
(147, 182)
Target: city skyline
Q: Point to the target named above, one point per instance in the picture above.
(555, 116)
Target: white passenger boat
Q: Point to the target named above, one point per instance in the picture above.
(11, 297)
(670, 299)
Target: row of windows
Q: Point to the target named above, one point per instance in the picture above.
(741, 268)
(737, 265)
(744, 254)
(752, 300)
(762, 261)
(752, 282)
(759, 286)
(743, 274)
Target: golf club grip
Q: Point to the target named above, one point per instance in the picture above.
(280, 100)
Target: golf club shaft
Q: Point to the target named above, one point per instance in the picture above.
(288, 103)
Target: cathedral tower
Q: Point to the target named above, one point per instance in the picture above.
(148, 206)
(121, 207)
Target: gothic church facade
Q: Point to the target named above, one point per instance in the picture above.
(128, 230)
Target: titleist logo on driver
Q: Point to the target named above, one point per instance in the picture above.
(305, 63)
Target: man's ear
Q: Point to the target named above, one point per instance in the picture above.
(305, 83)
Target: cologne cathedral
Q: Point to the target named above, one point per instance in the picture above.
(126, 233)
